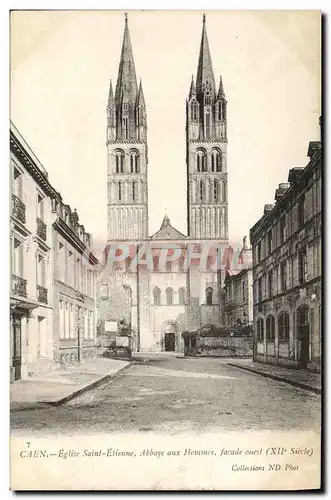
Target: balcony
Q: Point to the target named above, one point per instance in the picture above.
(42, 294)
(18, 286)
(41, 229)
(18, 209)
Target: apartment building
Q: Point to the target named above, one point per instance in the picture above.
(31, 294)
(287, 270)
(74, 287)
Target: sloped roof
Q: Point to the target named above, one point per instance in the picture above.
(167, 231)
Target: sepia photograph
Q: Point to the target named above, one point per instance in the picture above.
(165, 250)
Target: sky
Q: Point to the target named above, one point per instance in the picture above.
(61, 63)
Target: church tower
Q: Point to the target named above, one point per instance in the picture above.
(127, 152)
(206, 151)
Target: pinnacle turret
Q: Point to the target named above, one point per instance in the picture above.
(141, 97)
(192, 88)
(221, 93)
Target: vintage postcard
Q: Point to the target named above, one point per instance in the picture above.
(165, 236)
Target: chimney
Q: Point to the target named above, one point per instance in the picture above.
(267, 208)
(281, 190)
(313, 147)
(245, 242)
(294, 174)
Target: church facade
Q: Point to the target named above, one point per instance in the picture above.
(168, 282)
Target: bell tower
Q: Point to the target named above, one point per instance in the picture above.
(206, 151)
(127, 158)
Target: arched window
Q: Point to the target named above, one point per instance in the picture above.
(223, 110)
(120, 191)
(181, 296)
(134, 162)
(169, 296)
(133, 190)
(223, 190)
(216, 161)
(201, 160)
(202, 190)
(125, 128)
(157, 296)
(283, 326)
(119, 162)
(215, 189)
(209, 296)
(260, 329)
(208, 123)
(194, 110)
(270, 328)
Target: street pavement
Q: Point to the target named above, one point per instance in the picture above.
(175, 395)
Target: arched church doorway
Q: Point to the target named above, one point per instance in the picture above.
(169, 335)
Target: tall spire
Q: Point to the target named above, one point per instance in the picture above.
(127, 79)
(205, 69)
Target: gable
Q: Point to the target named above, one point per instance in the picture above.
(168, 233)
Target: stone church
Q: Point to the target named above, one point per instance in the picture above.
(177, 289)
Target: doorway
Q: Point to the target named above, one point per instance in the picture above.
(169, 341)
(169, 335)
(303, 335)
(17, 343)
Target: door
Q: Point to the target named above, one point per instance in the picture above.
(303, 336)
(17, 357)
(169, 341)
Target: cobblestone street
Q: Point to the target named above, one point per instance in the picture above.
(174, 395)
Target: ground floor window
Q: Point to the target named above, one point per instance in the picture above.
(270, 328)
(283, 326)
(260, 330)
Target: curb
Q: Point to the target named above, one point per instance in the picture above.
(59, 402)
(301, 385)
(86, 388)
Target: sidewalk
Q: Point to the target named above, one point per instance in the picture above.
(61, 385)
(299, 378)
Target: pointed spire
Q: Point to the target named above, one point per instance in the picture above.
(111, 100)
(192, 88)
(205, 69)
(141, 97)
(220, 90)
(127, 79)
(165, 222)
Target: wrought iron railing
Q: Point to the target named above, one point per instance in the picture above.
(19, 209)
(42, 294)
(18, 286)
(41, 229)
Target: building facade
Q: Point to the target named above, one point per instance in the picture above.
(166, 296)
(287, 274)
(53, 272)
(74, 287)
(238, 291)
(31, 295)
